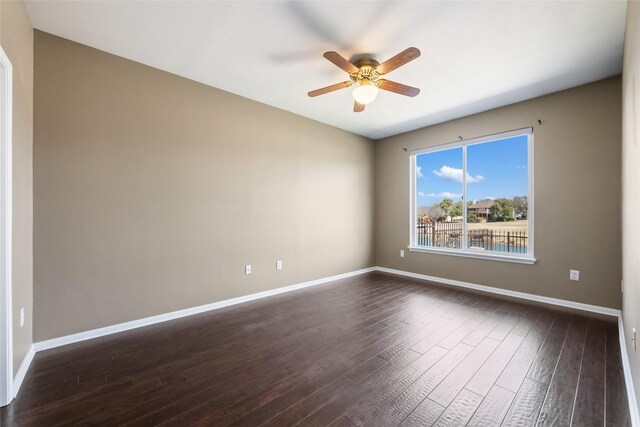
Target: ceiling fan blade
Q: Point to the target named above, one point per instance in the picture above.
(341, 62)
(399, 60)
(331, 88)
(358, 108)
(398, 88)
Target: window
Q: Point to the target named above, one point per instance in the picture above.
(486, 212)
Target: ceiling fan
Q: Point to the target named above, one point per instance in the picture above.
(365, 74)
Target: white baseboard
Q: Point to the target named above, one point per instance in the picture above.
(628, 379)
(121, 327)
(515, 294)
(95, 333)
(22, 371)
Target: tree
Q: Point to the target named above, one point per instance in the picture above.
(521, 205)
(446, 205)
(435, 213)
(502, 210)
(456, 209)
(472, 217)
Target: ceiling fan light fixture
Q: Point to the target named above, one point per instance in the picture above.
(365, 92)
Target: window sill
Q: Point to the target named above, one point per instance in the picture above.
(490, 256)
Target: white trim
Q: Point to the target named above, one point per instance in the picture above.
(529, 257)
(108, 330)
(464, 246)
(70, 339)
(22, 371)
(531, 200)
(469, 254)
(413, 209)
(6, 308)
(628, 378)
(121, 327)
(515, 294)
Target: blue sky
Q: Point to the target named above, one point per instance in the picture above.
(495, 169)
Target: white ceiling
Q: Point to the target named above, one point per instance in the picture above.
(475, 55)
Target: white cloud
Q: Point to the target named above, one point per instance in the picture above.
(453, 174)
(522, 166)
(419, 172)
(443, 195)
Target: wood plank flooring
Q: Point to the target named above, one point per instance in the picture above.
(376, 350)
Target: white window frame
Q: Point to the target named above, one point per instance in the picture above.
(527, 258)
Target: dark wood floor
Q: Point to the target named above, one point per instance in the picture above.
(372, 350)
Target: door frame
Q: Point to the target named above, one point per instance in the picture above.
(6, 308)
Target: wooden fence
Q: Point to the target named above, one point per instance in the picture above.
(449, 235)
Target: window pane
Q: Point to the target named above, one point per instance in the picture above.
(497, 196)
(439, 199)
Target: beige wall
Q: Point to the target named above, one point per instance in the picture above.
(577, 196)
(16, 38)
(631, 184)
(153, 191)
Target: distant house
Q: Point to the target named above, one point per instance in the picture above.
(481, 208)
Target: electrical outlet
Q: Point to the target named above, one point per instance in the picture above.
(401, 253)
(22, 317)
(574, 275)
(247, 269)
(278, 265)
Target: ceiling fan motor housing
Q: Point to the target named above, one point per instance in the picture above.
(366, 70)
